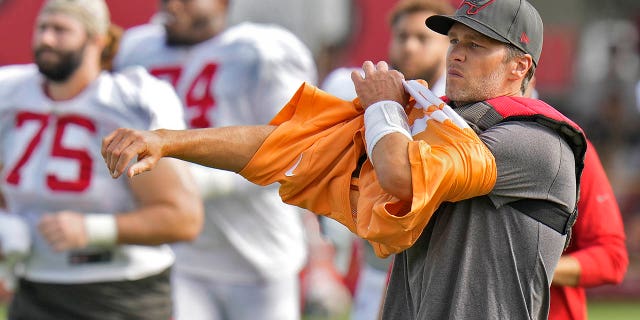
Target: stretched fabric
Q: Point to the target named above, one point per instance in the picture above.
(314, 152)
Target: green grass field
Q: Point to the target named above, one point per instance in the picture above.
(601, 310)
(614, 310)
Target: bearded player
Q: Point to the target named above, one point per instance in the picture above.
(245, 263)
(87, 237)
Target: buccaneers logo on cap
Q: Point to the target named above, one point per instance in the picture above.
(475, 6)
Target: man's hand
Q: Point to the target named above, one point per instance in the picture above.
(123, 145)
(567, 272)
(64, 230)
(379, 83)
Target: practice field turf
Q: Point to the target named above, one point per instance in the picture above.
(614, 310)
(601, 310)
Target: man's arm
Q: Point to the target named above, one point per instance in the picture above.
(391, 159)
(597, 254)
(390, 155)
(567, 273)
(226, 148)
(169, 207)
(231, 148)
(168, 210)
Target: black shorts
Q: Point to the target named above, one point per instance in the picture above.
(147, 298)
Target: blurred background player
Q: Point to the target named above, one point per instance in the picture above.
(418, 53)
(88, 237)
(414, 51)
(597, 254)
(245, 263)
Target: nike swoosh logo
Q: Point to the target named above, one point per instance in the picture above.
(289, 173)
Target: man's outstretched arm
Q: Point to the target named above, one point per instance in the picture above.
(226, 148)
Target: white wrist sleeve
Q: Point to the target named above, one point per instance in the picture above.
(102, 229)
(15, 237)
(381, 119)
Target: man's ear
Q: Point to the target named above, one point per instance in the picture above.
(99, 40)
(521, 65)
(225, 4)
(111, 47)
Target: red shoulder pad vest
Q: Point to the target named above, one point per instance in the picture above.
(526, 109)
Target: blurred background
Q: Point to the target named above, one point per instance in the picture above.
(589, 69)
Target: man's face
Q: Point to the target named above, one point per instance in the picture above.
(476, 66)
(59, 45)
(189, 22)
(415, 50)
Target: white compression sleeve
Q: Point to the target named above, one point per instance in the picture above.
(383, 118)
(102, 229)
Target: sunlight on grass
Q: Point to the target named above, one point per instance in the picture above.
(614, 310)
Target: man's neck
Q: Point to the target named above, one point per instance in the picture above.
(73, 86)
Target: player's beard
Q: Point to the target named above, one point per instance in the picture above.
(67, 63)
(199, 30)
(426, 74)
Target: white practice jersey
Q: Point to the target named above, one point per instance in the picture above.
(243, 76)
(51, 161)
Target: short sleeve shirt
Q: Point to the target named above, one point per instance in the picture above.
(480, 258)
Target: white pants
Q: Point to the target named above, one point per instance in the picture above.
(369, 294)
(198, 298)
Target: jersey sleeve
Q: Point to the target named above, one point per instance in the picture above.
(312, 153)
(449, 163)
(137, 44)
(598, 238)
(126, 50)
(162, 100)
(12, 78)
(315, 150)
(284, 64)
(154, 96)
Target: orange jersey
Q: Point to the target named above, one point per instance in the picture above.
(314, 152)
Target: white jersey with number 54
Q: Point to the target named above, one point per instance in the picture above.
(242, 76)
(51, 161)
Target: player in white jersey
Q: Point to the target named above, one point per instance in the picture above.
(95, 246)
(245, 263)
